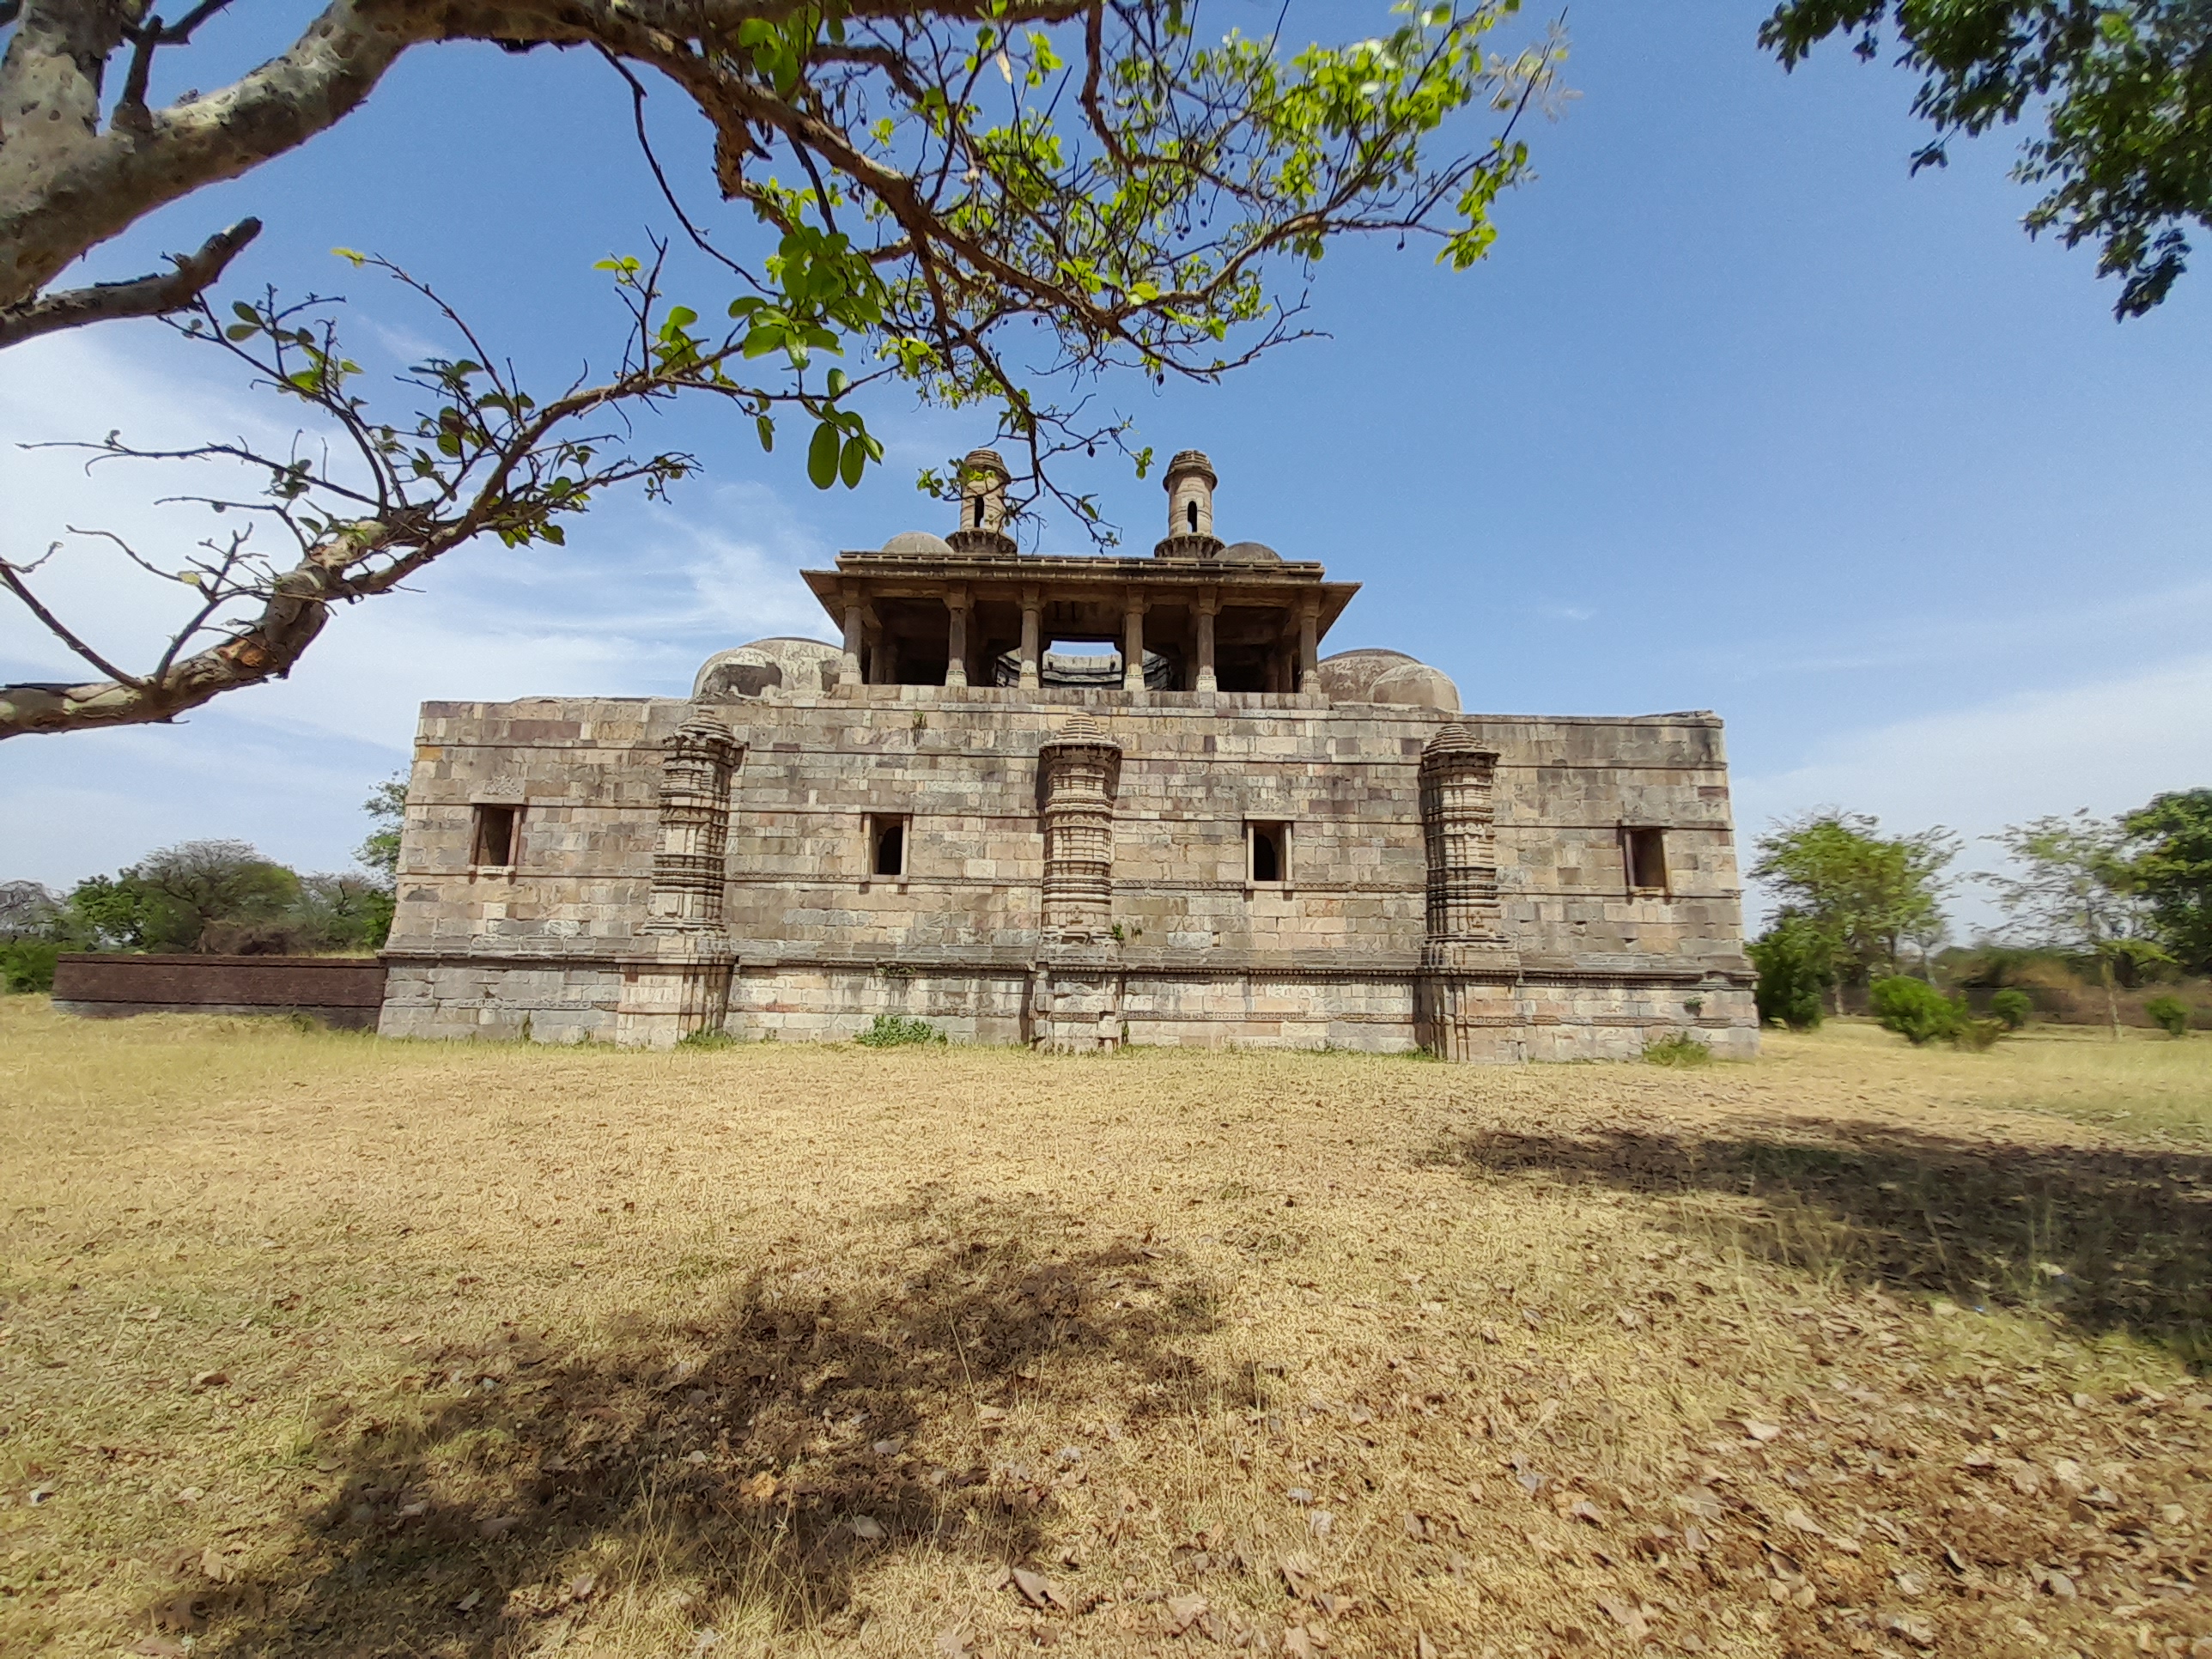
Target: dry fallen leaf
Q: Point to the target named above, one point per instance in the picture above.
(759, 1489)
(955, 1643)
(1184, 1611)
(581, 1586)
(1762, 1432)
(1803, 1522)
(1700, 1502)
(1297, 1644)
(1038, 1591)
(497, 1526)
(211, 1379)
(159, 1647)
(1626, 1615)
(468, 1603)
(868, 1529)
(1297, 1571)
(213, 1564)
(1918, 1631)
(1424, 1648)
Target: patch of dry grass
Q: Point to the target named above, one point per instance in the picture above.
(317, 1345)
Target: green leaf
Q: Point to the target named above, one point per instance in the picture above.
(822, 456)
(240, 332)
(358, 259)
(555, 534)
(853, 462)
(838, 381)
(245, 313)
(766, 427)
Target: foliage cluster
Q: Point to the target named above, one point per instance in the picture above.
(1921, 1014)
(1863, 894)
(2011, 1007)
(1796, 967)
(2170, 1014)
(1677, 1048)
(899, 1031)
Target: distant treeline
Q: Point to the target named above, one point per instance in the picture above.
(2098, 911)
(206, 897)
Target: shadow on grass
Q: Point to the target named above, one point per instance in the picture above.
(2105, 1240)
(741, 1456)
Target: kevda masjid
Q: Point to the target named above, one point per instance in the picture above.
(1212, 835)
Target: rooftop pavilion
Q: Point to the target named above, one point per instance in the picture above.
(971, 609)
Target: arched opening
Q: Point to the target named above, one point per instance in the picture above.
(1190, 513)
(1270, 854)
(979, 512)
(891, 847)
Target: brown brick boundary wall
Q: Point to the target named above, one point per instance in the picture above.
(345, 991)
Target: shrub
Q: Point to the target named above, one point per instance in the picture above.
(1978, 1035)
(1795, 969)
(1677, 1048)
(1914, 1010)
(2012, 1008)
(27, 964)
(708, 1037)
(896, 1030)
(2169, 1014)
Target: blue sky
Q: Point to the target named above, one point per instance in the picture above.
(1737, 417)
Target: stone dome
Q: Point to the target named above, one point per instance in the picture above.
(1387, 676)
(1249, 553)
(919, 544)
(751, 670)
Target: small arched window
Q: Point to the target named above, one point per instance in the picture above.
(979, 512)
(891, 847)
(1190, 512)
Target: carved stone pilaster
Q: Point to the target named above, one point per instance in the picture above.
(1081, 771)
(689, 863)
(1459, 826)
(1467, 1001)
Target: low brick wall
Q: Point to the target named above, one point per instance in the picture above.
(343, 991)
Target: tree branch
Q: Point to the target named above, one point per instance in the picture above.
(152, 295)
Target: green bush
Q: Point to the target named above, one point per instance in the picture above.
(896, 1030)
(1978, 1035)
(2012, 1008)
(708, 1037)
(27, 964)
(1797, 966)
(2169, 1014)
(1677, 1048)
(1916, 1010)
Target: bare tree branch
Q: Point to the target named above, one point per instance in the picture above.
(154, 295)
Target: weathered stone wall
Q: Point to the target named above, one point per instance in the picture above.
(1330, 954)
(341, 991)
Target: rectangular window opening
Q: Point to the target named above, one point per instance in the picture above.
(493, 841)
(1267, 851)
(1645, 851)
(887, 839)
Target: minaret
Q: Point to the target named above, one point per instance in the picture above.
(1189, 484)
(982, 528)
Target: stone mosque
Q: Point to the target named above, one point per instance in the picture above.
(1206, 833)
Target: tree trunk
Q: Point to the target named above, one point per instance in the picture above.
(2111, 995)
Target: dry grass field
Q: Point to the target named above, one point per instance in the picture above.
(310, 1344)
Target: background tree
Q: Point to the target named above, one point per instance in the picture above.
(1863, 892)
(2078, 892)
(922, 179)
(2170, 844)
(1796, 965)
(2122, 90)
(379, 854)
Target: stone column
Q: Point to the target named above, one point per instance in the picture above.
(1032, 626)
(1133, 646)
(856, 622)
(1082, 770)
(955, 637)
(1468, 999)
(878, 669)
(679, 980)
(1309, 643)
(1209, 605)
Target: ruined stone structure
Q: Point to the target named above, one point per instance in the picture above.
(1206, 833)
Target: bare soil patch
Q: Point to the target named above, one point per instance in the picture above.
(317, 1345)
